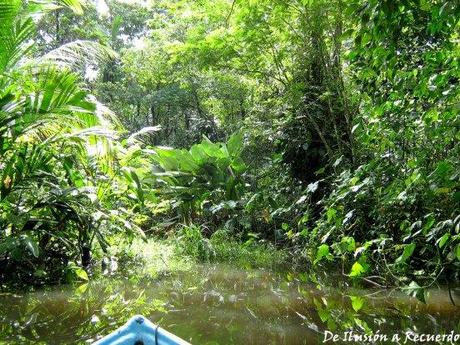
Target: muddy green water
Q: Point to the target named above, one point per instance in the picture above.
(215, 304)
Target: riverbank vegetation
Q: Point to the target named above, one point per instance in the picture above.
(328, 130)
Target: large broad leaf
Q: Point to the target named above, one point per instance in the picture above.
(167, 158)
(238, 165)
(186, 162)
(198, 153)
(407, 253)
(235, 144)
(212, 149)
(443, 240)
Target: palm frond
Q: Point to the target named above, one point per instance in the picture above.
(132, 138)
(37, 8)
(57, 91)
(8, 11)
(78, 54)
(107, 117)
(51, 102)
(74, 5)
(15, 42)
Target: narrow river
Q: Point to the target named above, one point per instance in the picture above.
(215, 304)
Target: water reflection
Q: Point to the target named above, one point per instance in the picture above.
(219, 305)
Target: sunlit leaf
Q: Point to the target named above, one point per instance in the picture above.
(357, 302)
(81, 289)
(81, 273)
(443, 240)
(322, 252)
(357, 270)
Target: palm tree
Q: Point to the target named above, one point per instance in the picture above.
(51, 133)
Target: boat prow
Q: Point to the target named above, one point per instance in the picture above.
(140, 331)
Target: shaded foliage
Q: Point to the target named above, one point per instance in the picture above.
(345, 113)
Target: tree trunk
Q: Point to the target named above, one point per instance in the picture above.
(85, 256)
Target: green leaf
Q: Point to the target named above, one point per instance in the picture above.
(139, 190)
(349, 242)
(198, 153)
(457, 251)
(238, 165)
(357, 270)
(407, 253)
(331, 324)
(81, 273)
(357, 302)
(323, 314)
(363, 325)
(323, 251)
(212, 149)
(8, 245)
(331, 214)
(235, 144)
(187, 162)
(74, 5)
(443, 240)
(81, 289)
(167, 158)
(31, 245)
(415, 290)
(39, 273)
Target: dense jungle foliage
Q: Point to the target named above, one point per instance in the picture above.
(329, 129)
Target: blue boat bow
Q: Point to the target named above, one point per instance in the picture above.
(140, 331)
